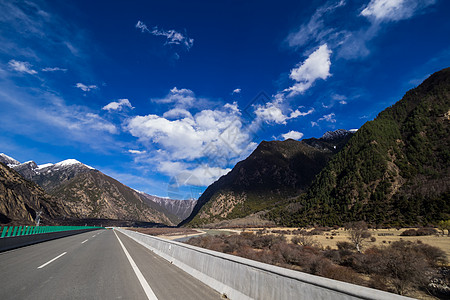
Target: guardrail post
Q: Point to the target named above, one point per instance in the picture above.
(5, 229)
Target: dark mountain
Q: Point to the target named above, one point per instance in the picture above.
(275, 171)
(21, 199)
(394, 171)
(89, 194)
(180, 208)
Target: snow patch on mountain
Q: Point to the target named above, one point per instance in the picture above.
(9, 161)
(331, 135)
(71, 162)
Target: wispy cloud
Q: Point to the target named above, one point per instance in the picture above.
(21, 66)
(315, 29)
(393, 10)
(86, 88)
(119, 105)
(328, 118)
(172, 36)
(54, 69)
(236, 91)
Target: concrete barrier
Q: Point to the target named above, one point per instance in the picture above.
(9, 243)
(240, 278)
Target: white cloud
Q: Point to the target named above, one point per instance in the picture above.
(316, 66)
(272, 113)
(137, 151)
(328, 118)
(187, 138)
(117, 105)
(338, 97)
(177, 113)
(86, 88)
(172, 36)
(203, 145)
(21, 66)
(393, 10)
(142, 26)
(295, 135)
(181, 98)
(315, 29)
(236, 91)
(343, 102)
(55, 69)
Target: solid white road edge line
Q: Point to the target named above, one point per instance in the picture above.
(52, 260)
(148, 290)
(84, 241)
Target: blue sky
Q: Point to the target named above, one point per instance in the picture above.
(166, 96)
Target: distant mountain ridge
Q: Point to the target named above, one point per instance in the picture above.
(276, 170)
(180, 208)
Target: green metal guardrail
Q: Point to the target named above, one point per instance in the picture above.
(11, 231)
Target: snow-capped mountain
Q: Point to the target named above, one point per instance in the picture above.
(9, 161)
(48, 176)
(339, 133)
(88, 193)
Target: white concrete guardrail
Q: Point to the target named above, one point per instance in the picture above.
(241, 278)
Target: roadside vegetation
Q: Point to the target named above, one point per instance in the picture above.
(405, 267)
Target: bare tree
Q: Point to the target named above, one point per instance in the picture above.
(358, 233)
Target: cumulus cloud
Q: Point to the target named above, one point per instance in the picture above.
(202, 144)
(316, 66)
(86, 88)
(393, 10)
(21, 66)
(187, 138)
(181, 98)
(119, 105)
(295, 135)
(272, 112)
(236, 91)
(55, 69)
(172, 36)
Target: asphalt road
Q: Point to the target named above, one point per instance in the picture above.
(94, 265)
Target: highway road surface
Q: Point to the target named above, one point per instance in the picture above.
(102, 264)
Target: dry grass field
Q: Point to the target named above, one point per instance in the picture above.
(382, 237)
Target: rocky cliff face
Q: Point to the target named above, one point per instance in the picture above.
(21, 199)
(93, 194)
(275, 171)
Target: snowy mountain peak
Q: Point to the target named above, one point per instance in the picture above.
(9, 161)
(331, 135)
(71, 162)
(45, 166)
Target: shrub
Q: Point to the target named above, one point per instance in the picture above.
(419, 232)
